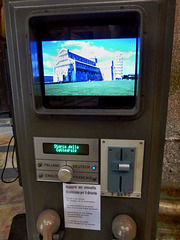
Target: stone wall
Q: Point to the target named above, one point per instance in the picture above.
(169, 208)
(171, 169)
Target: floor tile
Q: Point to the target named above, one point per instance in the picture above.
(7, 212)
(11, 193)
(9, 160)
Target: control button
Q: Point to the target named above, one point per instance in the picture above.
(83, 166)
(40, 175)
(39, 164)
(124, 227)
(65, 174)
(94, 178)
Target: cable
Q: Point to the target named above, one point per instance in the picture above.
(13, 157)
(4, 168)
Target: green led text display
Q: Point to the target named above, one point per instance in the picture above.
(66, 148)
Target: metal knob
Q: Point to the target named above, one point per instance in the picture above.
(48, 223)
(124, 227)
(65, 174)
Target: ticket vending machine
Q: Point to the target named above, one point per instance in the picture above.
(89, 86)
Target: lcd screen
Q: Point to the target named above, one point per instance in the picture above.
(66, 148)
(100, 67)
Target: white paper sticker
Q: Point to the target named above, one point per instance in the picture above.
(82, 206)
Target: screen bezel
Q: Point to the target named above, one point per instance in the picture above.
(107, 105)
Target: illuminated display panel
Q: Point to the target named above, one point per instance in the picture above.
(94, 67)
(66, 148)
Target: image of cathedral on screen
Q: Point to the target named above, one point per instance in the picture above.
(71, 67)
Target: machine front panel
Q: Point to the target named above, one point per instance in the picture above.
(89, 86)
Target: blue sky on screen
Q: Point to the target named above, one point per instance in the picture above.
(102, 49)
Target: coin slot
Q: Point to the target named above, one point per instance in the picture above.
(120, 183)
(121, 154)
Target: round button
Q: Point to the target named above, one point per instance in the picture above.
(48, 223)
(124, 227)
(65, 174)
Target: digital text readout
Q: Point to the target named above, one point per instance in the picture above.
(66, 148)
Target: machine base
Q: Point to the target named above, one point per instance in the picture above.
(18, 228)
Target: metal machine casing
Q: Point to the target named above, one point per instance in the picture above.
(147, 125)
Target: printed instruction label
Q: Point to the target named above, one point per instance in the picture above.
(82, 206)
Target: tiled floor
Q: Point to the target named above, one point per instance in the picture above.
(11, 203)
(11, 195)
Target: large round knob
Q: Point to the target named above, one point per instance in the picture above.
(124, 227)
(65, 174)
(48, 223)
